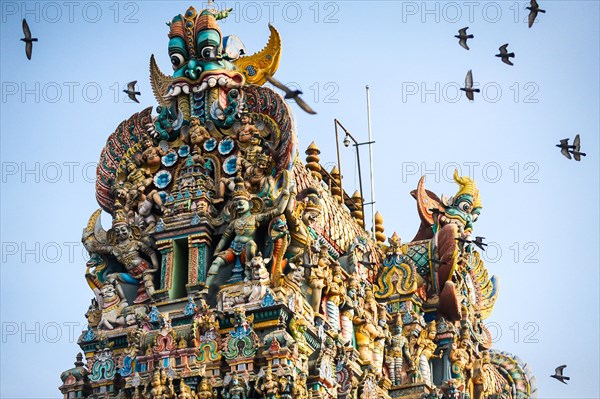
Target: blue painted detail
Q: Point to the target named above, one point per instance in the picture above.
(154, 315)
(230, 165)
(225, 146)
(88, 335)
(268, 300)
(190, 308)
(250, 70)
(184, 150)
(160, 226)
(127, 368)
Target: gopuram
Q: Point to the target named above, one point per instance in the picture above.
(234, 270)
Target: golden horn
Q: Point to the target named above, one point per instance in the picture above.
(255, 67)
(467, 185)
(159, 81)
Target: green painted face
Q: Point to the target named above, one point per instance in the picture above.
(190, 56)
(462, 210)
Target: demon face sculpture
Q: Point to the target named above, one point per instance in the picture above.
(462, 209)
(209, 72)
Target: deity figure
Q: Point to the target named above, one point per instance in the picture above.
(256, 175)
(151, 154)
(145, 218)
(319, 274)
(197, 136)
(299, 390)
(460, 358)
(242, 229)
(334, 292)
(249, 140)
(138, 178)
(347, 308)
(381, 339)
(301, 214)
(396, 352)
(267, 386)
(425, 350)
(204, 390)
(235, 389)
(159, 384)
(285, 387)
(277, 241)
(185, 392)
(125, 243)
(487, 381)
(366, 326)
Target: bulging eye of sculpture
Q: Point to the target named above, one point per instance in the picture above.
(475, 216)
(464, 206)
(209, 52)
(177, 60)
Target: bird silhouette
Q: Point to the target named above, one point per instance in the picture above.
(462, 37)
(505, 55)
(28, 39)
(463, 240)
(479, 242)
(558, 374)
(564, 148)
(577, 154)
(534, 8)
(131, 93)
(293, 94)
(468, 89)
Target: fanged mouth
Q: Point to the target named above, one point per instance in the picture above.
(444, 220)
(191, 97)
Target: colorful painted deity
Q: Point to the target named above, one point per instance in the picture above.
(240, 234)
(124, 242)
(425, 350)
(268, 386)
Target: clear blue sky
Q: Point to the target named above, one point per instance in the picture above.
(540, 210)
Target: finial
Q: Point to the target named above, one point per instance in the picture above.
(379, 229)
(313, 159)
(335, 184)
(357, 211)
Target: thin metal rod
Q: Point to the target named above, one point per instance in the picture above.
(337, 146)
(356, 145)
(360, 186)
(371, 157)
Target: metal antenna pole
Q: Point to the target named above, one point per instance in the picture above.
(337, 146)
(371, 157)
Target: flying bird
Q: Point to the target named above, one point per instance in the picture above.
(479, 242)
(131, 93)
(462, 37)
(564, 148)
(558, 374)
(28, 39)
(293, 94)
(577, 154)
(505, 55)
(468, 89)
(534, 8)
(463, 240)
